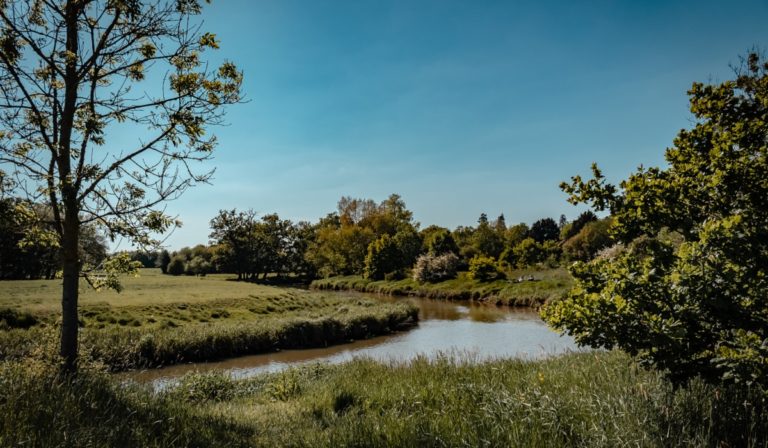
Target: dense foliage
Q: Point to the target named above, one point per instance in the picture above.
(689, 294)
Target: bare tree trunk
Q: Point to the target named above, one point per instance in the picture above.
(71, 222)
(70, 290)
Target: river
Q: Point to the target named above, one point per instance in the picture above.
(472, 330)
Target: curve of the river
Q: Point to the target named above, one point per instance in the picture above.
(474, 331)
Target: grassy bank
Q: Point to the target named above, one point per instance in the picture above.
(160, 320)
(547, 285)
(587, 400)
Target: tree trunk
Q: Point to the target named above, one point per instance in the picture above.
(70, 289)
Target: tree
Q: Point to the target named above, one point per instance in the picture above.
(593, 237)
(545, 229)
(163, 260)
(383, 258)
(73, 72)
(441, 242)
(695, 304)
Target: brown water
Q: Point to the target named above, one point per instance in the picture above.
(476, 330)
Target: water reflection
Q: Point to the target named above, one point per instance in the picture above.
(485, 331)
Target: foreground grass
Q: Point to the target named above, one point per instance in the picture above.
(587, 400)
(548, 285)
(192, 319)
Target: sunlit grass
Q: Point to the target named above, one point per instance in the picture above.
(133, 330)
(581, 400)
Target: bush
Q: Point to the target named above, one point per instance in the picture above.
(436, 268)
(484, 269)
(176, 266)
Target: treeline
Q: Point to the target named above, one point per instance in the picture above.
(382, 241)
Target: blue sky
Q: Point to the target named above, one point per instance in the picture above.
(460, 107)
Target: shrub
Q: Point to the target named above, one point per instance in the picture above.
(484, 269)
(436, 268)
(176, 266)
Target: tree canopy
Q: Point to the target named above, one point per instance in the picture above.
(689, 294)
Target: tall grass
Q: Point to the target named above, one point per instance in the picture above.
(547, 285)
(584, 400)
(581, 400)
(40, 409)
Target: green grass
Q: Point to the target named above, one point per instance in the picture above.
(160, 320)
(549, 284)
(581, 400)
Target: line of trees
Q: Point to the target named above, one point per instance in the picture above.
(380, 240)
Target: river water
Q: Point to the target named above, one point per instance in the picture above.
(474, 331)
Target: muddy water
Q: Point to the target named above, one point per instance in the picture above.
(476, 330)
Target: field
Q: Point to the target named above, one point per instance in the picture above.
(159, 320)
(580, 400)
(548, 284)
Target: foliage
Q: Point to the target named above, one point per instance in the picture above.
(163, 260)
(176, 266)
(697, 307)
(591, 239)
(487, 240)
(383, 257)
(527, 253)
(571, 229)
(484, 269)
(545, 229)
(342, 240)
(441, 242)
(436, 268)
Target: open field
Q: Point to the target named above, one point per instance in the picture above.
(159, 320)
(579, 400)
(548, 285)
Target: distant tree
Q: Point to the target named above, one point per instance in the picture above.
(544, 230)
(176, 266)
(441, 242)
(528, 253)
(571, 229)
(500, 225)
(163, 260)
(383, 258)
(592, 238)
(234, 232)
(515, 234)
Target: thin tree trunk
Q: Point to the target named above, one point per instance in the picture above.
(71, 222)
(70, 290)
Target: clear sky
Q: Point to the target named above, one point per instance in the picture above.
(461, 107)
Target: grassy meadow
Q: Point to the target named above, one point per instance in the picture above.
(548, 284)
(159, 320)
(580, 400)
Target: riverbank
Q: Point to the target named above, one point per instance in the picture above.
(587, 399)
(524, 287)
(162, 320)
